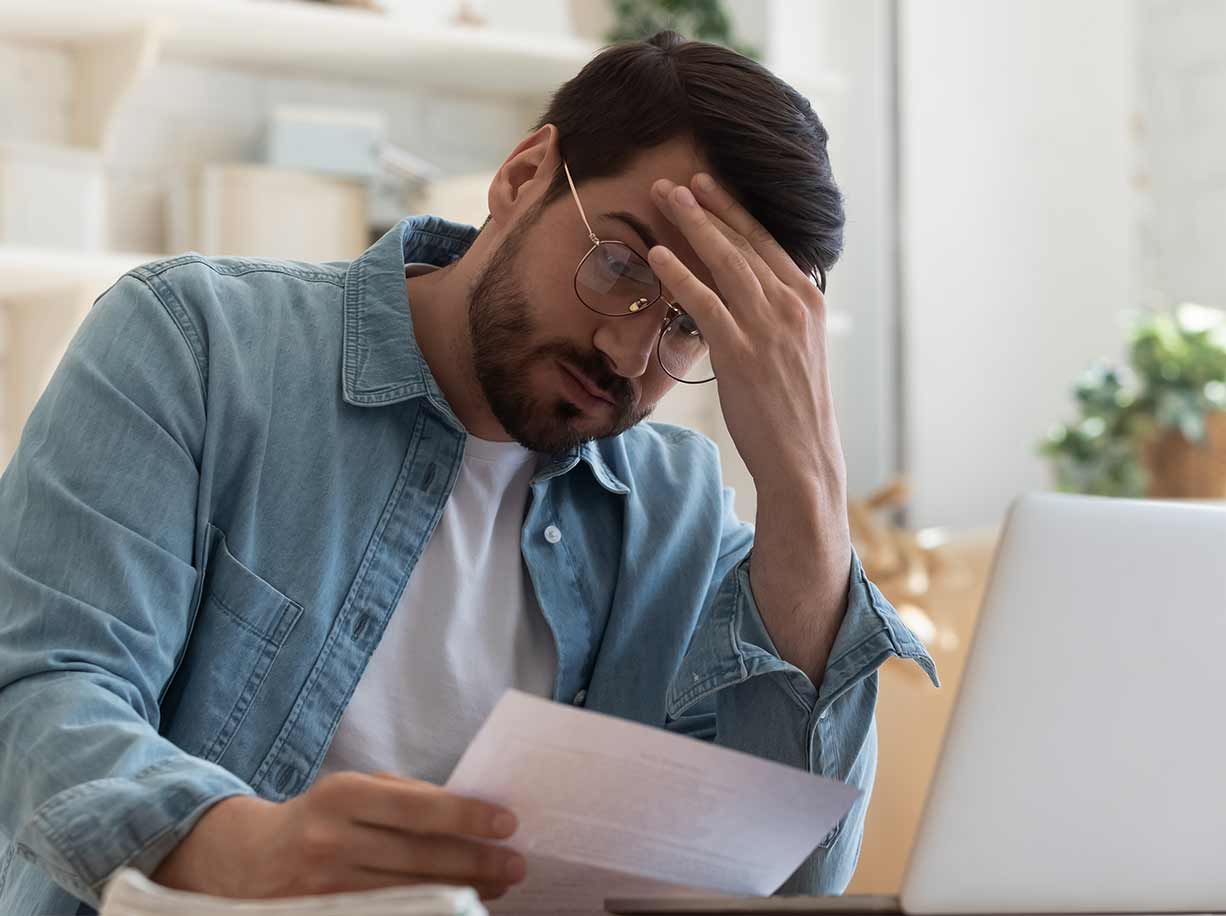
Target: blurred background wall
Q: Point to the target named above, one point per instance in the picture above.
(1018, 212)
(1181, 105)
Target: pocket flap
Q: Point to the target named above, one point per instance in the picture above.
(248, 598)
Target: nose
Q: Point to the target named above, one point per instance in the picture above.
(629, 341)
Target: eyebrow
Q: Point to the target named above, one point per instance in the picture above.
(643, 230)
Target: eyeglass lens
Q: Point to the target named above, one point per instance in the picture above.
(614, 280)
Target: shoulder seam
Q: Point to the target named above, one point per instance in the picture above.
(183, 321)
(242, 268)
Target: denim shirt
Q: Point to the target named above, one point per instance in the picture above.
(215, 506)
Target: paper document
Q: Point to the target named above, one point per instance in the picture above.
(611, 808)
(130, 893)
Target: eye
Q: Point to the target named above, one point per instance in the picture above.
(687, 326)
(612, 264)
(619, 262)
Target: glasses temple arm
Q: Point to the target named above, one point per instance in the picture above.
(578, 203)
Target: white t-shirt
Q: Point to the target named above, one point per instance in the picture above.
(467, 627)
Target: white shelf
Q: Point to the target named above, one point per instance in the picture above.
(298, 38)
(35, 272)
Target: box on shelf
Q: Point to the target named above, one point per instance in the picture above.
(335, 142)
(259, 211)
(353, 145)
(52, 197)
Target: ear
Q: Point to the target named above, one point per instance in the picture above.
(524, 175)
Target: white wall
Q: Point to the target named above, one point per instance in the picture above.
(1182, 89)
(843, 49)
(1017, 233)
(857, 47)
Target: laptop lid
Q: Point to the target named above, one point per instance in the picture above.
(1082, 770)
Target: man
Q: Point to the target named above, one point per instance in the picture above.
(278, 535)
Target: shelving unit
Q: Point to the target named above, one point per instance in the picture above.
(118, 42)
(313, 39)
(26, 272)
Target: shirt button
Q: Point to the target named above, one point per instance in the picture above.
(552, 534)
(285, 778)
(580, 697)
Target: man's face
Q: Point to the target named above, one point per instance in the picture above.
(554, 372)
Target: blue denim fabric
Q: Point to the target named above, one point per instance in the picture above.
(215, 506)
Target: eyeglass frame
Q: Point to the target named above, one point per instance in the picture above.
(674, 312)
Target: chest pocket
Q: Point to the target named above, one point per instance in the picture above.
(241, 625)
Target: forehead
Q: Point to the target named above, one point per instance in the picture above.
(630, 191)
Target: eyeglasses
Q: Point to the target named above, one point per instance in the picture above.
(612, 279)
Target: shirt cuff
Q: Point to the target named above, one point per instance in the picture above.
(732, 644)
(82, 836)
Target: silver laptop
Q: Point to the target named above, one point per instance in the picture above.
(1084, 767)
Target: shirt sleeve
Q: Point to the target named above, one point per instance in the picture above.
(766, 706)
(97, 588)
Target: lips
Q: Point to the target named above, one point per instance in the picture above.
(593, 391)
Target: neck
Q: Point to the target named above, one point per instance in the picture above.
(438, 303)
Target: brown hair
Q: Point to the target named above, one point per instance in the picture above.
(760, 136)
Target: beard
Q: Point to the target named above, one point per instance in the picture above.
(506, 346)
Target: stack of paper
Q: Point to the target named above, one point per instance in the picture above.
(132, 894)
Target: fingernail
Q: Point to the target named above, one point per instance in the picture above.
(685, 197)
(657, 255)
(514, 869)
(504, 824)
(662, 187)
(704, 181)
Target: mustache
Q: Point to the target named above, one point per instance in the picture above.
(596, 367)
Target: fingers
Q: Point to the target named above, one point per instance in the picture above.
(703, 305)
(766, 277)
(410, 805)
(444, 858)
(729, 264)
(366, 879)
(491, 891)
(719, 202)
(762, 271)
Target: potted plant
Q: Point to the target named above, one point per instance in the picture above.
(1158, 427)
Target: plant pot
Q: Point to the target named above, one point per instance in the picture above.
(1189, 470)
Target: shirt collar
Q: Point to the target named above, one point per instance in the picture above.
(381, 363)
